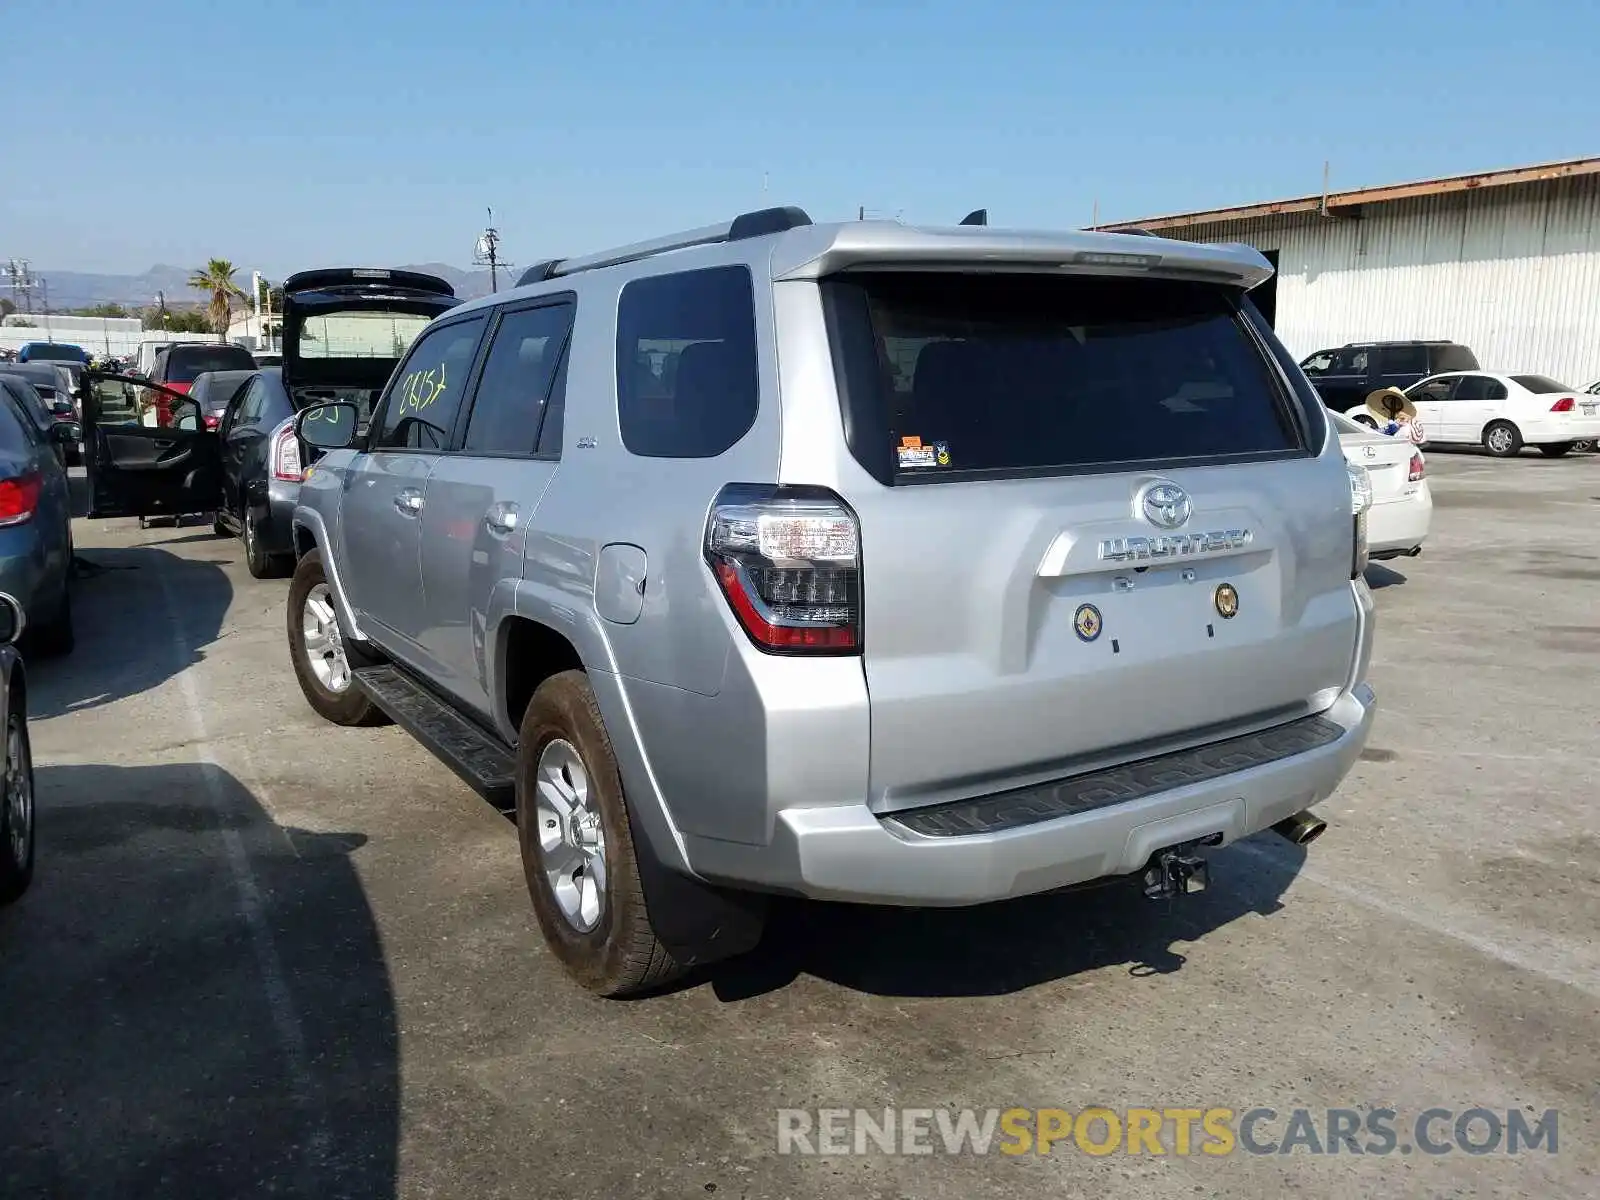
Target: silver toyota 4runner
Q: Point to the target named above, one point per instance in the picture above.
(861, 562)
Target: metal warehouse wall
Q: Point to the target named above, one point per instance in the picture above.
(1513, 272)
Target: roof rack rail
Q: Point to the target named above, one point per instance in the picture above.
(539, 272)
(746, 225)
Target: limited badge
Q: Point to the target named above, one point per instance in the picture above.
(1087, 622)
(1227, 601)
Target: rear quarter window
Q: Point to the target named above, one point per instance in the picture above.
(963, 373)
(1453, 358)
(687, 379)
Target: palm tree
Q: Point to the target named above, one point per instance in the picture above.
(217, 278)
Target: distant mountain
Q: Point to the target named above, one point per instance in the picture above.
(81, 289)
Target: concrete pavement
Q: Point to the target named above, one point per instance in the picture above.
(266, 956)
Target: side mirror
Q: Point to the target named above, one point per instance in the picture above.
(66, 432)
(11, 620)
(328, 426)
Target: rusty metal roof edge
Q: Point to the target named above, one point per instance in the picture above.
(1535, 173)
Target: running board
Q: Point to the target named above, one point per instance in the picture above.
(483, 762)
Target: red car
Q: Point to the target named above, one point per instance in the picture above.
(178, 364)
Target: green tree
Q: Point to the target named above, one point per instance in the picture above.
(216, 278)
(192, 320)
(102, 310)
(7, 307)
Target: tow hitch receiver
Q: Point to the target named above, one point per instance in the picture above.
(1177, 871)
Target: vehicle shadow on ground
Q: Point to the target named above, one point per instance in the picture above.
(1380, 576)
(996, 949)
(197, 1002)
(126, 641)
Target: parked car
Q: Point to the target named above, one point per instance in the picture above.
(17, 820)
(344, 331)
(35, 523)
(213, 390)
(932, 579)
(47, 409)
(52, 352)
(1346, 375)
(177, 365)
(1402, 503)
(269, 359)
(1504, 412)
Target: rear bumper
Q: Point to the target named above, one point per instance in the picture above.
(1400, 526)
(1560, 427)
(272, 505)
(849, 853)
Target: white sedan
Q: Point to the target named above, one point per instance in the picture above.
(1503, 413)
(1402, 505)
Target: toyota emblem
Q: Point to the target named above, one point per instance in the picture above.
(1165, 505)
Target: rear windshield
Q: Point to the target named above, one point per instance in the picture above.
(1540, 384)
(360, 334)
(185, 362)
(58, 351)
(1453, 358)
(997, 373)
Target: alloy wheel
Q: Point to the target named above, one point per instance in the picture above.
(571, 838)
(324, 643)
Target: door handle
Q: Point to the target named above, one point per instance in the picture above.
(408, 501)
(501, 518)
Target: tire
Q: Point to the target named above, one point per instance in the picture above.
(1556, 449)
(618, 954)
(1502, 439)
(16, 853)
(57, 637)
(344, 705)
(259, 563)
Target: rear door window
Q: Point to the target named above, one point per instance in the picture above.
(1473, 387)
(1403, 360)
(514, 388)
(687, 378)
(1036, 374)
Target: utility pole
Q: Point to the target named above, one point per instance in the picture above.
(161, 303)
(487, 253)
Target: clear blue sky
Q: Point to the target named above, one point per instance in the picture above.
(288, 134)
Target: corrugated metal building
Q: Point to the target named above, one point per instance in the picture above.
(1507, 263)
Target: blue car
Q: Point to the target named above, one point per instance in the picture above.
(52, 352)
(35, 524)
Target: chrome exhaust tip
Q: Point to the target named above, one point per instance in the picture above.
(1302, 829)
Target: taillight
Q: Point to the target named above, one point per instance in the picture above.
(788, 560)
(1565, 404)
(1360, 501)
(1418, 468)
(19, 498)
(286, 456)
(211, 420)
